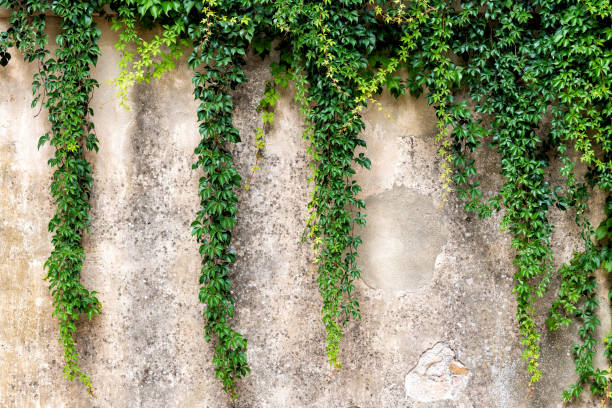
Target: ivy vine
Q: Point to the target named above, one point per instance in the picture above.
(219, 48)
(64, 87)
(530, 79)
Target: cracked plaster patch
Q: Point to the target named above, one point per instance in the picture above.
(437, 376)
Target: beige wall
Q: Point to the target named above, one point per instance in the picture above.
(438, 327)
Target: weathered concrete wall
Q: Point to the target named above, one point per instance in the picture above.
(438, 327)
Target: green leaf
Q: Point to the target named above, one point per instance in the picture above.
(601, 232)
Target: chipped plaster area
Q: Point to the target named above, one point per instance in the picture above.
(437, 376)
(432, 275)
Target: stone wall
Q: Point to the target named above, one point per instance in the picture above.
(438, 327)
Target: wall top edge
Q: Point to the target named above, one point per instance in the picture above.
(6, 13)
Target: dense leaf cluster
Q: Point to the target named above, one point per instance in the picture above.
(520, 63)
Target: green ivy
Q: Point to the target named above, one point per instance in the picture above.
(222, 56)
(149, 60)
(64, 87)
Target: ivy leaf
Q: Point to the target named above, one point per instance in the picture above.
(42, 140)
(601, 232)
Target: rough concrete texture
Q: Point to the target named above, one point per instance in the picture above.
(434, 275)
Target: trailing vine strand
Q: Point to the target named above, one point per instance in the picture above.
(69, 87)
(530, 79)
(222, 56)
(66, 85)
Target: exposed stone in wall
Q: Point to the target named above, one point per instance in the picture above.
(437, 376)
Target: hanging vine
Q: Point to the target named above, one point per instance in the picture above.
(64, 86)
(222, 56)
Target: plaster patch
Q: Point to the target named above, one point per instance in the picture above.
(403, 236)
(437, 376)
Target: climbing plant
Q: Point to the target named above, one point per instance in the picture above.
(219, 47)
(530, 79)
(64, 87)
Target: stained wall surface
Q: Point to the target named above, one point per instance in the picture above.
(438, 327)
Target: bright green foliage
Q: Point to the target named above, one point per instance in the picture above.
(151, 58)
(65, 85)
(151, 61)
(333, 199)
(330, 33)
